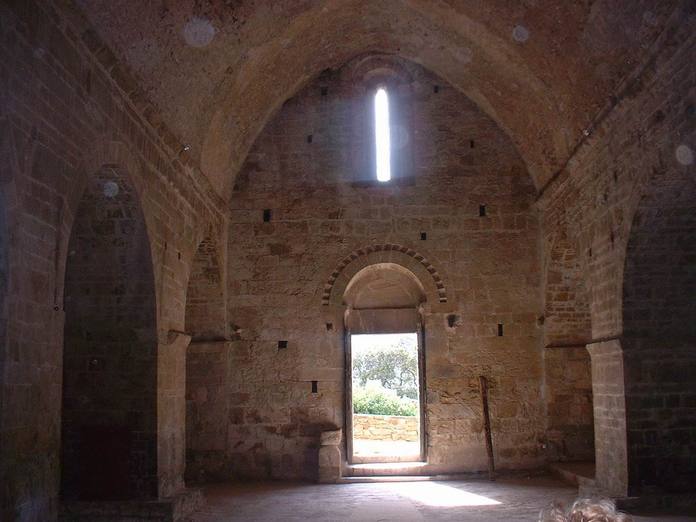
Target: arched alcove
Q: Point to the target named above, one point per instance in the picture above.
(659, 334)
(567, 365)
(205, 304)
(109, 419)
(384, 285)
(414, 262)
(659, 275)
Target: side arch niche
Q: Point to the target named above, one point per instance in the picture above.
(567, 364)
(659, 334)
(109, 418)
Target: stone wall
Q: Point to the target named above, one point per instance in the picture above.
(208, 367)
(66, 111)
(385, 427)
(308, 169)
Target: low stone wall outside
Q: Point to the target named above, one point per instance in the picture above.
(385, 427)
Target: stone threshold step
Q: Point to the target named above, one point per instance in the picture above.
(368, 479)
(386, 469)
(383, 478)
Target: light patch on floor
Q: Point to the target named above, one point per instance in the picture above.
(519, 499)
(440, 494)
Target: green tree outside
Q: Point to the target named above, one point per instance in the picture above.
(385, 379)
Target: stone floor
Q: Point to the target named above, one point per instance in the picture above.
(476, 500)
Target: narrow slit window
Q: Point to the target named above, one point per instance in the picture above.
(382, 139)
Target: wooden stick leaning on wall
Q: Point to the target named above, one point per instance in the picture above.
(483, 386)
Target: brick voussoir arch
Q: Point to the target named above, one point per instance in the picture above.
(389, 252)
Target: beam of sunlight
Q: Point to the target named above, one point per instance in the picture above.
(441, 495)
(382, 140)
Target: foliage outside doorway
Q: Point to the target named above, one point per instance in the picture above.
(385, 397)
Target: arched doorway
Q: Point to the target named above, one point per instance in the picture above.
(109, 418)
(385, 365)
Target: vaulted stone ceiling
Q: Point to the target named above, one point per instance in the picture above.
(217, 70)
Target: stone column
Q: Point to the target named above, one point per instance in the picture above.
(609, 398)
(171, 412)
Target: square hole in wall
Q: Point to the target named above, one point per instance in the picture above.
(423, 236)
(482, 210)
(266, 215)
(315, 386)
(282, 345)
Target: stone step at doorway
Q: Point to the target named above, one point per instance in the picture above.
(386, 469)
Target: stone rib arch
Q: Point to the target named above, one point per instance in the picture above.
(483, 58)
(219, 154)
(422, 268)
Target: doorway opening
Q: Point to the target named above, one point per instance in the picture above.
(385, 395)
(386, 411)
